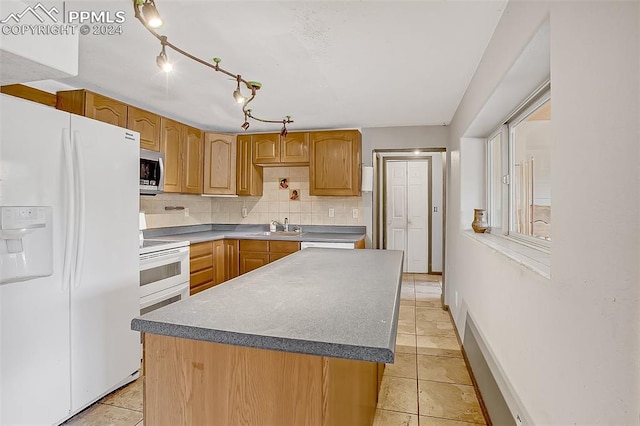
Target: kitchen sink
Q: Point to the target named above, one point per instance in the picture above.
(277, 234)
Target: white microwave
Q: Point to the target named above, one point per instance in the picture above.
(151, 172)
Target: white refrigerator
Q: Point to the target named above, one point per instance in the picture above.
(65, 339)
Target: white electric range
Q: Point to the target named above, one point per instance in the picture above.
(164, 273)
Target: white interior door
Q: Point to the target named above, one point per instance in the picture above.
(407, 212)
(418, 216)
(396, 227)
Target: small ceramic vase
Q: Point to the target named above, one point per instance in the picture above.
(479, 223)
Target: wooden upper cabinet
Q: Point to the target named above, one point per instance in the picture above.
(272, 149)
(93, 105)
(334, 162)
(219, 164)
(294, 148)
(147, 124)
(266, 148)
(192, 160)
(171, 147)
(182, 148)
(249, 176)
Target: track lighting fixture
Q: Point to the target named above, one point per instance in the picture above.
(150, 13)
(147, 13)
(237, 95)
(161, 60)
(284, 131)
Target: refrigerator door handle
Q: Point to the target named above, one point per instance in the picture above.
(81, 208)
(70, 213)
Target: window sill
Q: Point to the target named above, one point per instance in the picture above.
(536, 260)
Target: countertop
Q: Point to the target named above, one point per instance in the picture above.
(326, 302)
(199, 234)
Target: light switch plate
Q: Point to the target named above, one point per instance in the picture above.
(332, 212)
(354, 213)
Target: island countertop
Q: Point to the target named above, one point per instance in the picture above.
(326, 302)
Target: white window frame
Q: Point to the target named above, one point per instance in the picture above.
(503, 131)
(532, 103)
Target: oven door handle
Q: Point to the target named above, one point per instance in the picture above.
(159, 296)
(168, 256)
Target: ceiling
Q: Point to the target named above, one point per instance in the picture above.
(328, 64)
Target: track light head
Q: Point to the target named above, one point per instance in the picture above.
(163, 62)
(151, 15)
(245, 125)
(237, 95)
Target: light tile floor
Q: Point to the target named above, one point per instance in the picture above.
(428, 385)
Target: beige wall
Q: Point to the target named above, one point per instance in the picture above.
(565, 350)
(273, 205)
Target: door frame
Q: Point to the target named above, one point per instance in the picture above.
(383, 192)
(377, 158)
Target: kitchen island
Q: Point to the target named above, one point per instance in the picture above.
(301, 341)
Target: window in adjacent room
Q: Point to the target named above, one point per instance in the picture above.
(519, 173)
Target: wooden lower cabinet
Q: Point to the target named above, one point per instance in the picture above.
(212, 263)
(201, 267)
(205, 383)
(280, 249)
(257, 253)
(225, 260)
(250, 261)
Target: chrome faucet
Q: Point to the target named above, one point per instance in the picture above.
(286, 224)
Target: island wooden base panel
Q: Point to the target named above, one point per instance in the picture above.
(189, 382)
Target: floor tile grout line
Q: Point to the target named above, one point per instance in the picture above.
(119, 406)
(450, 419)
(446, 383)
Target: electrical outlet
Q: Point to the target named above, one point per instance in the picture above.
(186, 212)
(332, 212)
(354, 213)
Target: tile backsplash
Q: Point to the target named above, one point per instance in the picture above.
(275, 204)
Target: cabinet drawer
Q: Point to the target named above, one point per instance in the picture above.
(201, 277)
(254, 245)
(201, 249)
(283, 246)
(200, 288)
(200, 263)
